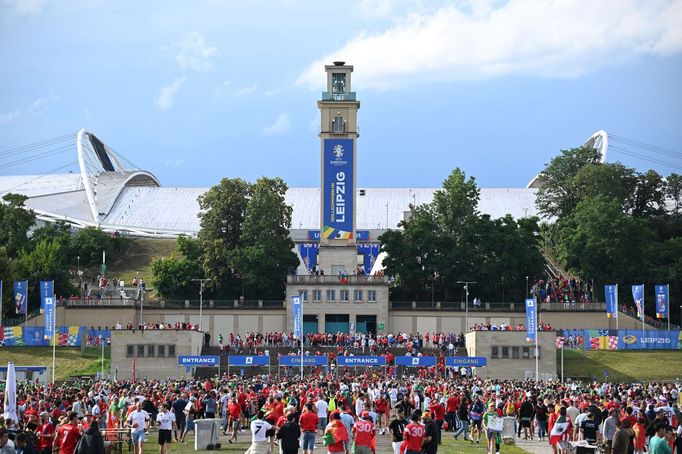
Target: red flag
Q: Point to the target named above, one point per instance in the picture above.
(134, 369)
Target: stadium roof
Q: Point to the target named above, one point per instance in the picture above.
(109, 192)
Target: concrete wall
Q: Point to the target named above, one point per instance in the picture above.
(480, 343)
(185, 342)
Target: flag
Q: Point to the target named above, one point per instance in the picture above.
(559, 429)
(20, 297)
(134, 369)
(638, 296)
(611, 296)
(531, 320)
(662, 301)
(46, 291)
(10, 403)
(49, 318)
(560, 341)
(297, 309)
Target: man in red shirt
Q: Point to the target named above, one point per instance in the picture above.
(45, 434)
(413, 435)
(451, 406)
(234, 411)
(308, 422)
(68, 435)
(364, 433)
(438, 412)
(382, 413)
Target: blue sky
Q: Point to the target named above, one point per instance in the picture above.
(196, 91)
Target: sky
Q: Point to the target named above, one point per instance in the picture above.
(202, 90)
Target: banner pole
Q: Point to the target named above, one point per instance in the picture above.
(54, 350)
(667, 290)
(643, 315)
(562, 362)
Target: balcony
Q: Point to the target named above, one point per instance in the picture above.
(329, 96)
(337, 280)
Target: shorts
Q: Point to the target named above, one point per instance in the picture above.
(165, 436)
(308, 441)
(180, 422)
(363, 449)
(525, 422)
(476, 424)
(490, 434)
(138, 437)
(189, 425)
(323, 423)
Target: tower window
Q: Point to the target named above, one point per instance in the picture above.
(338, 86)
(338, 124)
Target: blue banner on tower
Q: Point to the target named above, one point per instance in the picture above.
(308, 253)
(611, 295)
(20, 297)
(297, 309)
(531, 320)
(46, 291)
(338, 189)
(638, 296)
(369, 252)
(662, 300)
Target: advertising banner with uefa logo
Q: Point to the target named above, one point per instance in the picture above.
(337, 189)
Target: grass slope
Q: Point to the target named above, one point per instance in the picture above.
(625, 366)
(69, 360)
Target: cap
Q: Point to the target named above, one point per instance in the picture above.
(44, 414)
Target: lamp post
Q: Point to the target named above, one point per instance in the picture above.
(526, 286)
(78, 272)
(201, 299)
(466, 311)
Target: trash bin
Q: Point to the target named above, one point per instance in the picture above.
(207, 434)
(508, 430)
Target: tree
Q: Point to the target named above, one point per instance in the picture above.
(648, 197)
(558, 194)
(222, 217)
(15, 222)
(172, 277)
(89, 244)
(264, 256)
(673, 190)
(614, 181)
(6, 273)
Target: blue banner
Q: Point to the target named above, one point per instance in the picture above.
(248, 360)
(338, 191)
(466, 361)
(369, 252)
(531, 320)
(291, 361)
(297, 309)
(358, 361)
(34, 336)
(1, 321)
(362, 235)
(46, 291)
(198, 361)
(308, 252)
(20, 297)
(638, 296)
(313, 235)
(49, 317)
(415, 361)
(611, 296)
(648, 340)
(662, 301)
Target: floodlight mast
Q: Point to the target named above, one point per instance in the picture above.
(466, 310)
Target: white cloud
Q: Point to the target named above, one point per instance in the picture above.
(36, 107)
(273, 92)
(175, 162)
(225, 89)
(474, 40)
(167, 95)
(194, 53)
(27, 7)
(281, 125)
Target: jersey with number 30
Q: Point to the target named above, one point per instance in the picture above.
(414, 435)
(258, 429)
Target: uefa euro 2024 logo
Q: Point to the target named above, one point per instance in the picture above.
(338, 152)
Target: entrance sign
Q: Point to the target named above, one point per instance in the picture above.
(466, 361)
(415, 361)
(248, 360)
(358, 361)
(295, 361)
(198, 361)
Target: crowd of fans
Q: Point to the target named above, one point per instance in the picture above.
(562, 290)
(507, 327)
(413, 413)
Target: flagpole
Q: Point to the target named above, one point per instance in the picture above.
(562, 362)
(54, 348)
(642, 308)
(616, 313)
(537, 334)
(667, 290)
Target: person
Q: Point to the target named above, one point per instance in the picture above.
(560, 432)
(396, 428)
(6, 445)
(431, 434)
(609, 428)
(166, 420)
(463, 418)
(210, 405)
(190, 412)
(348, 422)
(308, 424)
(620, 438)
(259, 434)
(45, 434)
(526, 413)
(364, 433)
(336, 433)
(639, 430)
(413, 435)
(289, 434)
(658, 444)
(138, 421)
(22, 445)
(234, 411)
(491, 435)
(589, 429)
(322, 408)
(476, 416)
(67, 435)
(178, 407)
(92, 441)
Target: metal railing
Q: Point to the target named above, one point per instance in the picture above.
(21, 319)
(339, 280)
(331, 96)
(494, 306)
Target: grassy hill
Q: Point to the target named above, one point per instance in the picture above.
(625, 366)
(69, 360)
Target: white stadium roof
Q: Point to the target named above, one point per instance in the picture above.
(111, 193)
